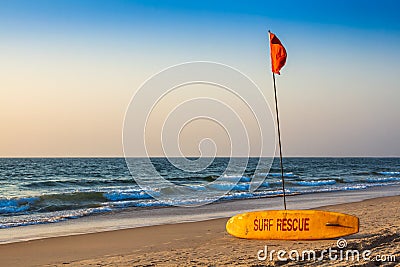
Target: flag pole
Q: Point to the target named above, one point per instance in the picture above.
(280, 144)
(276, 69)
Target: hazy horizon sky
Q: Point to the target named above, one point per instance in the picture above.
(68, 70)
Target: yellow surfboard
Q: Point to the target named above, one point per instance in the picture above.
(292, 225)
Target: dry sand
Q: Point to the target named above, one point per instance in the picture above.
(207, 244)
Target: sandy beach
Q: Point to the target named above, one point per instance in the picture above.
(206, 243)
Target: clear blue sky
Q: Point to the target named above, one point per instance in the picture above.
(69, 68)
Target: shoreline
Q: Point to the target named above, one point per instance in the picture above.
(198, 243)
(136, 217)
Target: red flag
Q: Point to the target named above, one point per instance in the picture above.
(278, 53)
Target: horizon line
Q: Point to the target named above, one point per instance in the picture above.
(99, 157)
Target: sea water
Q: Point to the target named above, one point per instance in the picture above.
(47, 190)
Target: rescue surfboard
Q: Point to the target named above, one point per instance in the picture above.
(292, 225)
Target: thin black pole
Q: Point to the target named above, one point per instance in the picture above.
(280, 145)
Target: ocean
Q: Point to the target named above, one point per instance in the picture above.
(49, 190)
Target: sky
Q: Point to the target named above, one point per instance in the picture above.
(68, 70)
